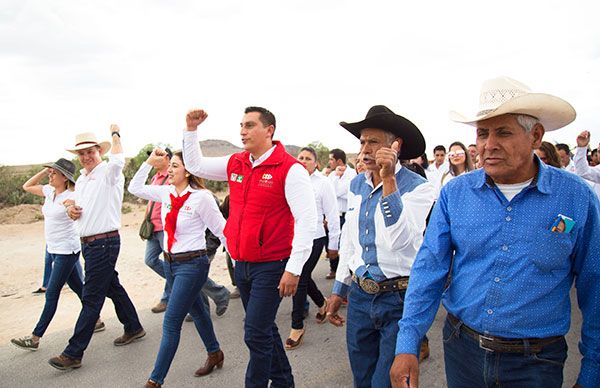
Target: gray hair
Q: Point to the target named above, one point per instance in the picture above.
(526, 121)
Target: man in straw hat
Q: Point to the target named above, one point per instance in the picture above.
(387, 208)
(97, 211)
(514, 235)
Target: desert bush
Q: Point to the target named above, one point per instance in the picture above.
(12, 192)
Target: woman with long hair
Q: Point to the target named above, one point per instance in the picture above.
(188, 208)
(327, 209)
(62, 243)
(460, 162)
(548, 154)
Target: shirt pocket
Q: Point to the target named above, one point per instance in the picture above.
(551, 251)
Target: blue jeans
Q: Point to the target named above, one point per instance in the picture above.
(154, 248)
(63, 272)
(371, 330)
(187, 278)
(48, 260)
(101, 281)
(467, 365)
(217, 292)
(258, 284)
(307, 286)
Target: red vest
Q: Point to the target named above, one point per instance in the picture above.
(260, 226)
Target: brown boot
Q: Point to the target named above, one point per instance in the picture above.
(424, 353)
(152, 384)
(214, 359)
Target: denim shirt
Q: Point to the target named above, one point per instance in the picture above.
(511, 275)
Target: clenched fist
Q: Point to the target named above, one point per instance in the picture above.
(194, 118)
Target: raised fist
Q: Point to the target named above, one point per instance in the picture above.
(194, 118)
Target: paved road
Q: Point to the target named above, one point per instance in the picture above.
(320, 362)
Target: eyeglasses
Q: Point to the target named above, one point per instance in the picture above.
(455, 154)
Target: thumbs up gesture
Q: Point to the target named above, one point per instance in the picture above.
(386, 159)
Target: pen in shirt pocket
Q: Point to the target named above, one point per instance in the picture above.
(562, 224)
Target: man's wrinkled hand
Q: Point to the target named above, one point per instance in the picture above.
(333, 306)
(288, 284)
(405, 371)
(386, 159)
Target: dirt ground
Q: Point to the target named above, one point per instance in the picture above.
(22, 262)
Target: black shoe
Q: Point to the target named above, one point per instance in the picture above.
(39, 291)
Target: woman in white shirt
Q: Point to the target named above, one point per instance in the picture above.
(327, 209)
(62, 243)
(187, 209)
(460, 162)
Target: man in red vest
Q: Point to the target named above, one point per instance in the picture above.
(271, 224)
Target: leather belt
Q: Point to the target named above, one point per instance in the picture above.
(184, 256)
(504, 345)
(372, 287)
(94, 237)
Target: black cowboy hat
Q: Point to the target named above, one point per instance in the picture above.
(66, 167)
(381, 117)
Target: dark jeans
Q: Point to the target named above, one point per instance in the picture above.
(187, 278)
(258, 284)
(333, 263)
(371, 330)
(101, 281)
(467, 365)
(63, 272)
(306, 285)
(48, 260)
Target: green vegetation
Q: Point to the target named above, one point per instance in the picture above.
(12, 179)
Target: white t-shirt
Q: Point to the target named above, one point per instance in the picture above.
(511, 190)
(61, 235)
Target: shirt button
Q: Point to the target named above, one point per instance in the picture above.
(367, 214)
(490, 311)
(505, 248)
(370, 196)
(509, 208)
(508, 218)
(497, 279)
(367, 249)
(367, 231)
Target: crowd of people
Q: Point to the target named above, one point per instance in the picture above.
(497, 231)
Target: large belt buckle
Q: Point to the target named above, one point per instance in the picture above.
(484, 338)
(369, 286)
(402, 284)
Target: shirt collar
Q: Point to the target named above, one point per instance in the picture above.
(540, 181)
(263, 157)
(370, 181)
(188, 188)
(98, 167)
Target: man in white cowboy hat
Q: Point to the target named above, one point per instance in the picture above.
(97, 211)
(514, 235)
(387, 209)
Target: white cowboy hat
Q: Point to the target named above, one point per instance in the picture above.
(504, 95)
(87, 140)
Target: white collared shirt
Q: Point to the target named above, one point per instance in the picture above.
(198, 212)
(298, 194)
(327, 207)
(584, 170)
(59, 229)
(100, 195)
(341, 185)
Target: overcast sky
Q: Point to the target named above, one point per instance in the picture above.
(76, 66)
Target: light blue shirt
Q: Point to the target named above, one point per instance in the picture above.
(511, 275)
(382, 235)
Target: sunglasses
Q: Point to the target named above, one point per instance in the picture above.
(455, 154)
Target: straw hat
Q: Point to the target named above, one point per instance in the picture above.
(87, 140)
(504, 95)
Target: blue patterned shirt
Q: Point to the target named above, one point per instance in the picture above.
(511, 275)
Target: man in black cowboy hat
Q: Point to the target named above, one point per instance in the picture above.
(387, 208)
